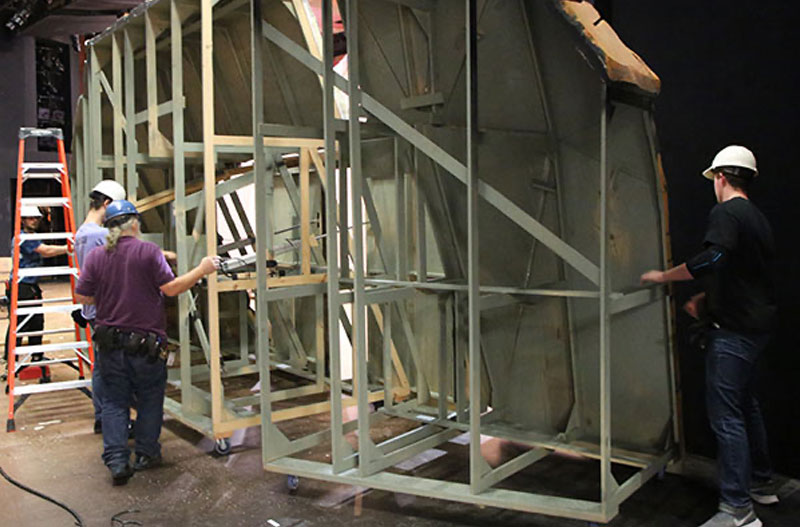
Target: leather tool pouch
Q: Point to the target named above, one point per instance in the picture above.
(103, 338)
(698, 333)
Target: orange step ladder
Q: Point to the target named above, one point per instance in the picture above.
(21, 312)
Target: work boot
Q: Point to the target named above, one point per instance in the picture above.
(763, 492)
(120, 474)
(733, 517)
(144, 462)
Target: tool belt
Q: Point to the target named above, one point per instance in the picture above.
(150, 345)
(698, 332)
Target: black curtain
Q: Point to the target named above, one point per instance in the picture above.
(729, 73)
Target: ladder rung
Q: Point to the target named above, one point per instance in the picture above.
(22, 303)
(25, 236)
(41, 310)
(51, 387)
(47, 348)
(45, 332)
(43, 166)
(44, 202)
(41, 175)
(18, 367)
(47, 271)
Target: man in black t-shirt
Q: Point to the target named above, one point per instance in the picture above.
(735, 271)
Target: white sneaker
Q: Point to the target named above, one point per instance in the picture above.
(745, 518)
(764, 493)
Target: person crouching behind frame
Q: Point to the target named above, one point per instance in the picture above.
(126, 281)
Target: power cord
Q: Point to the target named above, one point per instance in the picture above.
(78, 520)
(116, 521)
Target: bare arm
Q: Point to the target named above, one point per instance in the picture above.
(85, 300)
(185, 281)
(696, 306)
(679, 273)
(48, 251)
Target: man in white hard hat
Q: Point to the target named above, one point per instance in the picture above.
(31, 253)
(735, 271)
(92, 234)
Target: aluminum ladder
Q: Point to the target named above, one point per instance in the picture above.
(20, 312)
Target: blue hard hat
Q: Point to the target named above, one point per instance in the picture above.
(120, 207)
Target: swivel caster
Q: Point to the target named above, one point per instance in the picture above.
(292, 483)
(222, 446)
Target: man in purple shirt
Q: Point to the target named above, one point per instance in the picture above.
(92, 234)
(126, 281)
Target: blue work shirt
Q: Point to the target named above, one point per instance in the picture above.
(89, 236)
(28, 257)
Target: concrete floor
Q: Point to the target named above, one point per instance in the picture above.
(55, 452)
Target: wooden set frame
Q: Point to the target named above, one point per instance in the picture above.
(338, 275)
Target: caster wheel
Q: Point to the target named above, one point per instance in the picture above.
(222, 446)
(292, 483)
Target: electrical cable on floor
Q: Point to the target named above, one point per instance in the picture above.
(78, 520)
(117, 521)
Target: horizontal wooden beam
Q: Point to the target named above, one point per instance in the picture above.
(225, 428)
(277, 142)
(165, 196)
(272, 283)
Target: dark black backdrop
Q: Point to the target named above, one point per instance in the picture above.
(730, 73)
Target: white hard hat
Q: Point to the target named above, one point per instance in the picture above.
(29, 211)
(732, 156)
(110, 188)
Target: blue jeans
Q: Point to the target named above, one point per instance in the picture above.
(734, 413)
(97, 392)
(97, 385)
(124, 377)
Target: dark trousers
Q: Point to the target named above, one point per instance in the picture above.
(734, 413)
(97, 385)
(127, 376)
(35, 323)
